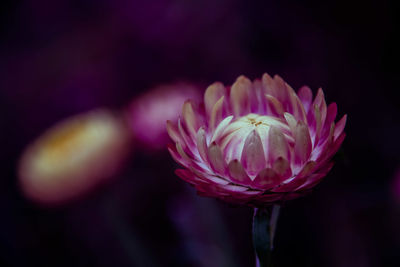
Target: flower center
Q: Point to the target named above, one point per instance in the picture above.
(235, 134)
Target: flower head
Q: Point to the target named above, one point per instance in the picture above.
(256, 142)
(73, 157)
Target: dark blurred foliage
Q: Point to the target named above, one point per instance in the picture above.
(59, 58)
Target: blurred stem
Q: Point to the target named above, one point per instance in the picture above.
(264, 226)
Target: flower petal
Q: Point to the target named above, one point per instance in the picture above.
(220, 128)
(292, 122)
(258, 99)
(190, 118)
(282, 93)
(182, 152)
(282, 167)
(253, 158)
(188, 142)
(315, 178)
(302, 146)
(213, 93)
(278, 146)
(173, 132)
(340, 127)
(307, 169)
(290, 186)
(266, 179)
(274, 107)
(237, 173)
(315, 130)
(319, 101)
(267, 83)
(217, 162)
(234, 188)
(216, 180)
(176, 156)
(216, 114)
(305, 95)
(202, 144)
(330, 118)
(239, 96)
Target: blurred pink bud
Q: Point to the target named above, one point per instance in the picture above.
(73, 157)
(148, 114)
(256, 142)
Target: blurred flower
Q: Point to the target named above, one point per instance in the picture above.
(257, 142)
(148, 113)
(73, 156)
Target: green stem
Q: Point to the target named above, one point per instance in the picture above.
(264, 226)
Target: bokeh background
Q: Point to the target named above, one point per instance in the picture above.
(60, 58)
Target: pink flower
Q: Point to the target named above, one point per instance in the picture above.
(73, 157)
(148, 113)
(257, 142)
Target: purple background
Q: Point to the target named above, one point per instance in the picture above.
(59, 58)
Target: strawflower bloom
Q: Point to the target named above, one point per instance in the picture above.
(148, 113)
(256, 143)
(73, 157)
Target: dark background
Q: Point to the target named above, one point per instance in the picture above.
(59, 58)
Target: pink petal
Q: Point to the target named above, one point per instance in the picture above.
(216, 113)
(282, 167)
(316, 129)
(239, 96)
(190, 118)
(216, 180)
(234, 188)
(217, 162)
(305, 95)
(302, 146)
(176, 156)
(307, 169)
(315, 178)
(202, 144)
(274, 107)
(278, 146)
(294, 105)
(292, 122)
(237, 173)
(258, 98)
(213, 93)
(302, 114)
(319, 101)
(330, 117)
(221, 128)
(253, 158)
(325, 144)
(290, 186)
(281, 91)
(173, 132)
(188, 143)
(334, 147)
(266, 179)
(340, 126)
(182, 152)
(267, 83)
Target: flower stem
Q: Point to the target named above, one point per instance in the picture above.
(264, 226)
